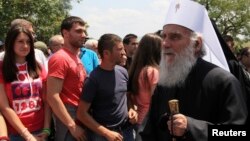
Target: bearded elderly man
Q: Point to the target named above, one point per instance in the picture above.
(207, 94)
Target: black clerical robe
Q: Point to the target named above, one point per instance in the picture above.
(209, 96)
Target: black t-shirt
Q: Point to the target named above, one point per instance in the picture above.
(106, 91)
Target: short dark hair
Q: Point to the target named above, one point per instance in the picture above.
(159, 32)
(68, 22)
(126, 39)
(228, 38)
(243, 52)
(107, 42)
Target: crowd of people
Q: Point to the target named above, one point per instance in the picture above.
(117, 89)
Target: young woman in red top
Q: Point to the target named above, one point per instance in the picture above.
(22, 88)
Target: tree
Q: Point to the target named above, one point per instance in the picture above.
(46, 15)
(231, 16)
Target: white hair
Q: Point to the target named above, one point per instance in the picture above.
(55, 38)
(90, 43)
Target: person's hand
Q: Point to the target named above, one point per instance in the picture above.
(41, 136)
(113, 136)
(177, 124)
(78, 133)
(28, 136)
(133, 116)
(32, 138)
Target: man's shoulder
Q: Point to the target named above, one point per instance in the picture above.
(208, 66)
(121, 69)
(206, 71)
(59, 58)
(39, 54)
(87, 51)
(60, 54)
(95, 73)
(219, 75)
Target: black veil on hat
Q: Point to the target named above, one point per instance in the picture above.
(228, 53)
(236, 69)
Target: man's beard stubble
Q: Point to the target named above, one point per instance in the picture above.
(76, 43)
(176, 73)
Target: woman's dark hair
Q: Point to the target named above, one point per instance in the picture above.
(9, 63)
(147, 54)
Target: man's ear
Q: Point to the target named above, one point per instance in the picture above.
(64, 32)
(106, 52)
(198, 45)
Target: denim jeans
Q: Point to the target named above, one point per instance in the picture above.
(126, 133)
(62, 132)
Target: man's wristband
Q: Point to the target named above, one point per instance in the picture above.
(47, 131)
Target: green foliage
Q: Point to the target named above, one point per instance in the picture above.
(231, 16)
(46, 15)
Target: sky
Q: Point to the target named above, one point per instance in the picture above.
(121, 17)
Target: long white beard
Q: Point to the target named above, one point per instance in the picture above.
(175, 74)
